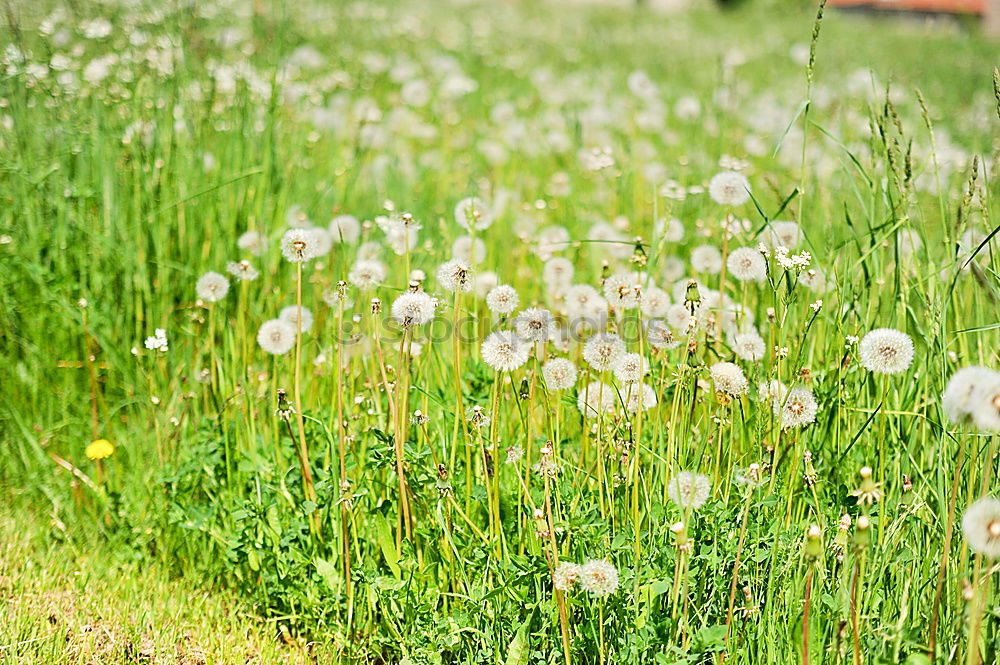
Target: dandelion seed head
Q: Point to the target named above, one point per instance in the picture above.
(689, 490)
(504, 351)
(413, 309)
(276, 336)
(747, 264)
(603, 350)
(630, 368)
(212, 287)
(242, 270)
(729, 188)
(565, 576)
(985, 407)
(981, 526)
(473, 214)
(622, 290)
(344, 229)
(455, 276)
(290, 315)
(797, 409)
(748, 346)
(535, 324)
(729, 378)
(596, 398)
(502, 299)
(706, 259)
(957, 398)
(559, 374)
(252, 242)
(660, 336)
(468, 250)
(598, 577)
(300, 245)
(654, 302)
(886, 351)
(367, 274)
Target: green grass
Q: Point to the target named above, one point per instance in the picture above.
(122, 192)
(63, 601)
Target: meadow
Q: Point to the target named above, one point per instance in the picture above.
(478, 332)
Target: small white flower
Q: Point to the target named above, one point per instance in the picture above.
(158, 341)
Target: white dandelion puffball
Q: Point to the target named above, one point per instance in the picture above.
(886, 351)
(748, 346)
(729, 378)
(559, 374)
(297, 218)
(706, 259)
(322, 239)
(671, 230)
(300, 245)
(660, 336)
(535, 325)
(797, 409)
(290, 315)
(689, 490)
(584, 304)
(679, 318)
(565, 576)
(455, 276)
(344, 229)
(603, 350)
(504, 351)
(369, 251)
(622, 290)
(782, 234)
(957, 398)
(654, 302)
(252, 242)
(630, 368)
(242, 270)
(596, 398)
(473, 214)
(468, 250)
(747, 265)
(502, 299)
(212, 287)
(276, 336)
(367, 274)
(986, 404)
(598, 577)
(558, 274)
(981, 526)
(638, 396)
(773, 390)
(729, 188)
(484, 282)
(413, 309)
(550, 240)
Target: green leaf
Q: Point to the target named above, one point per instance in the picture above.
(517, 652)
(327, 572)
(387, 545)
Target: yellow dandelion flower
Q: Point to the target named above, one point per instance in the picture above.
(99, 449)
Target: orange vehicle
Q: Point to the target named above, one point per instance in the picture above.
(970, 7)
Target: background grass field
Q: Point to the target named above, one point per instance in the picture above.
(136, 152)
